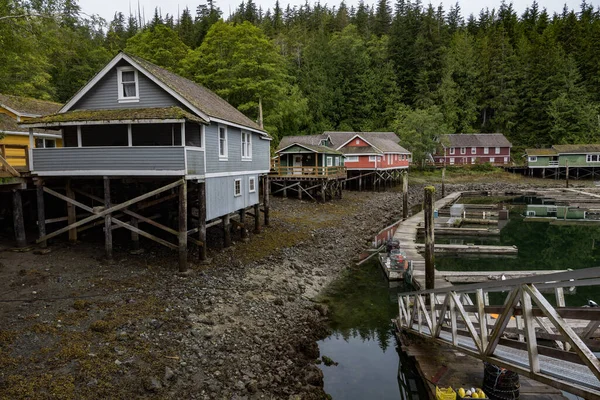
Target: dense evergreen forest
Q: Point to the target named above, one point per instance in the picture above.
(416, 69)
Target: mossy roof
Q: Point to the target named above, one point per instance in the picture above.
(199, 96)
(540, 152)
(577, 148)
(28, 105)
(130, 114)
(9, 124)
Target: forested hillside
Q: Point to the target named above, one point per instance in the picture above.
(407, 67)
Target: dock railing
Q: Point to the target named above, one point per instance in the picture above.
(14, 158)
(507, 335)
(309, 171)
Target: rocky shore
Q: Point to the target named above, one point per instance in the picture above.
(243, 327)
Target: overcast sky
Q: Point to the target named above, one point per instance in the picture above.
(107, 8)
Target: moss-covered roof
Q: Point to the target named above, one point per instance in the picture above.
(577, 148)
(540, 152)
(9, 124)
(27, 105)
(130, 114)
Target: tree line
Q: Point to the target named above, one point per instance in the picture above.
(415, 69)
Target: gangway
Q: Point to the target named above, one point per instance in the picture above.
(507, 335)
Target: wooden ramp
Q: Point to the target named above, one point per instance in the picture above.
(470, 249)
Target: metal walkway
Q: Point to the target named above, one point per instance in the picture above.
(526, 334)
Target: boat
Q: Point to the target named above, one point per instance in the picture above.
(395, 265)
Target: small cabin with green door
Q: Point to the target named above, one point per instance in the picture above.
(308, 160)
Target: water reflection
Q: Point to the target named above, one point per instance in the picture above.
(363, 343)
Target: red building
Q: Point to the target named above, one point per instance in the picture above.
(473, 148)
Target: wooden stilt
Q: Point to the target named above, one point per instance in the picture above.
(226, 231)
(18, 221)
(299, 190)
(41, 214)
(405, 195)
(284, 189)
(429, 238)
(107, 220)
(183, 227)
(71, 212)
(243, 230)
(202, 219)
(323, 195)
(360, 183)
(567, 173)
(257, 218)
(266, 199)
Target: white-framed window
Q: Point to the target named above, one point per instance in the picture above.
(492, 159)
(473, 159)
(592, 158)
(497, 150)
(463, 150)
(351, 159)
(452, 150)
(505, 160)
(44, 143)
(532, 158)
(451, 160)
(251, 184)
(473, 150)
(372, 158)
(486, 150)
(223, 151)
(337, 161)
(237, 187)
(128, 89)
(357, 141)
(246, 145)
(330, 161)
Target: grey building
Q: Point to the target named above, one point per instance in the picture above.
(137, 120)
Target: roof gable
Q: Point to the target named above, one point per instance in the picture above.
(198, 99)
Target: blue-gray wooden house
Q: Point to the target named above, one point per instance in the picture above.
(135, 119)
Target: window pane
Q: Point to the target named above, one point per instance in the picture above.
(39, 143)
(50, 143)
(129, 90)
(128, 76)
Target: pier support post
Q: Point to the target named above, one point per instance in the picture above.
(567, 172)
(41, 212)
(135, 237)
(226, 231)
(429, 238)
(257, 218)
(360, 183)
(266, 199)
(299, 187)
(405, 195)
(108, 247)
(443, 181)
(71, 212)
(18, 220)
(243, 230)
(285, 189)
(202, 220)
(183, 226)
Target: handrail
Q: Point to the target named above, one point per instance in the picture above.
(462, 317)
(308, 171)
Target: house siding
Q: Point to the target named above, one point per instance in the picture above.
(109, 159)
(479, 155)
(195, 162)
(104, 95)
(220, 199)
(261, 150)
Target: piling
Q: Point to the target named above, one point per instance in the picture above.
(429, 238)
(567, 172)
(226, 231)
(183, 227)
(71, 212)
(108, 247)
(202, 220)
(266, 199)
(18, 220)
(41, 214)
(443, 179)
(405, 195)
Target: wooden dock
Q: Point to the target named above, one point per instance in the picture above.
(470, 232)
(471, 249)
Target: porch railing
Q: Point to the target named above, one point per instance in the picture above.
(307, 171)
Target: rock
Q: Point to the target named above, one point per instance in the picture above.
(252, 386)
(169, 374)
(314, 376)
(152, 384)
(322, 309)
(278, 301)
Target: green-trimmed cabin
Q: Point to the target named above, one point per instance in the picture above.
(554, 211)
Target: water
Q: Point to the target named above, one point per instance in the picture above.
(363, 343)
(542, 246)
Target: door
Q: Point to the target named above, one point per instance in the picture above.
(297, 165)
